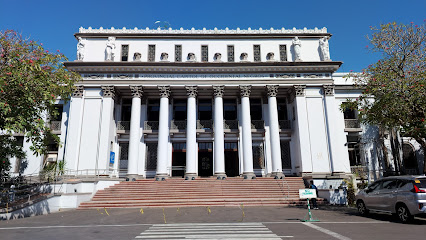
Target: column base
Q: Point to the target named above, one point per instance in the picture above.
(278, 175)
(190, 176)
(132, 177)
(249, 175)
(161, 177)
(220, 176)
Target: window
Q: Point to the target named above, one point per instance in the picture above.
(178, 53)
(256, 53)
(283, 53)
(349, 113)
(256, 109)
(231, 53)
(230, 109)
(375, 186)
(353, 149)
(282, 109)
(204, 53)
(409, 156)
(389, 184)
(124, 53)
(126, 110)
(179, 109)
(153, 109)
(151, 53)
(57, 117)
(204, 109)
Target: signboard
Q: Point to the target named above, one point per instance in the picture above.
(307, 193)
(111, 157)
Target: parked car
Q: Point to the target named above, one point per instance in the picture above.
(403, 196)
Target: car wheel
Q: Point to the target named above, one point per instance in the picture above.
(361, 208)
(404, 214)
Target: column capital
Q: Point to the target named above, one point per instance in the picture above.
(245, 90)
(219, 91)
(108, 91)
(191, 91)
(78, 91)
(328, 89)
(164, 91)
(136, 91)
(272, 90)
(299, 90)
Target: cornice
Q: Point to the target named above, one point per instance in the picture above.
(199, 68)
(200, 33)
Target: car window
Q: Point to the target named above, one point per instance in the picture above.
(375, 186)
(405, 185)
(390, 184)
(420, 183)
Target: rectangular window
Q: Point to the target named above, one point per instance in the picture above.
(282, 109)
(126, 109)
(204, 53)
(231, 53)
(283, 53)
(256, 109)
(256, 53)
(151, 53)
(153, 109)
(230, 109)
(204, 109)
(178, 53)
(179, 109)
(124, 53)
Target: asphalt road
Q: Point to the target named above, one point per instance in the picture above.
(219, 222)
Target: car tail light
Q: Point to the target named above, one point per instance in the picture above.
(418, 190)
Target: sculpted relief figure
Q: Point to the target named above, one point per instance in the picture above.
(323, 42)
(297, 45)
(164, 56)
(217, 57)
(243, 57)
(137, 56)
(110, 47)
(191, 57)
(80, 49)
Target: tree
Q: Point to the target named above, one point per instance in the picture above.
(31, 79)
(396, 82)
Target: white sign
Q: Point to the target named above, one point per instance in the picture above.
(307, 193)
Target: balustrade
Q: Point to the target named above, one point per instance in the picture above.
(181, 125)
(257, 124)
(151, 125)
(123, 125)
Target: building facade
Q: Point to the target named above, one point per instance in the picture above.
(210, 103)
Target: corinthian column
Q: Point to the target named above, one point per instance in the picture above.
(163, 134)
(134, 138)
(274, 131)
(191, 134)
(219, 142)
(246, 132)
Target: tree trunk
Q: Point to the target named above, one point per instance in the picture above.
(396, 146)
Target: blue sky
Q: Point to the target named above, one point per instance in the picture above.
(54, 22)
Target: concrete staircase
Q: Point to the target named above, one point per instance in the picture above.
(200, 192)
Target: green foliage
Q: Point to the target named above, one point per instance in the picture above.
(397, 82)
(350, 191)
(31, 79)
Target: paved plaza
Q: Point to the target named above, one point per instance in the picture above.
(211, 223)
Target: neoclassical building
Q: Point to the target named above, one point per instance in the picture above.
(209, 103)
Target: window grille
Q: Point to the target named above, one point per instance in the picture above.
(285, 154)
(151, 156)
(178, 53)
(256, 53)
(151, 53)
(204, 53)
(231, 53)
(124, 53)
(258, 155)
(283, 53)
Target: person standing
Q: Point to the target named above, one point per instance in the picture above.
(314, 200)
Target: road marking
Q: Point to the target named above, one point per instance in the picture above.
(78, 226)
(234, 231)
(326, 231)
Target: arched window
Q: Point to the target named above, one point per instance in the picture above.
(409, 156)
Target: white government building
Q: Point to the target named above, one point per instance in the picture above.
(208, 103)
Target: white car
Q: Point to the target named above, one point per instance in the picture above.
(403, 196)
